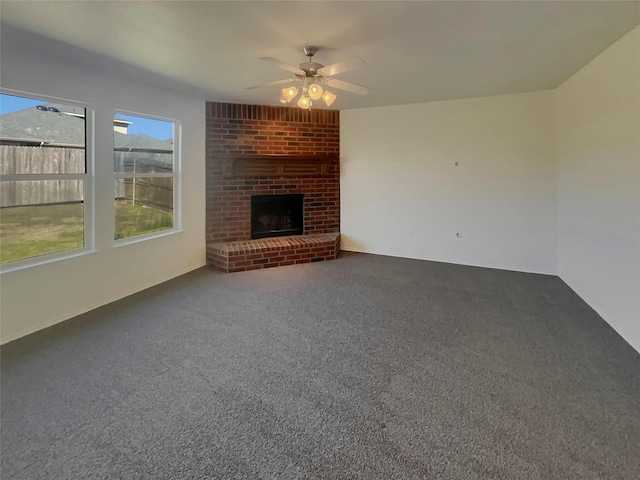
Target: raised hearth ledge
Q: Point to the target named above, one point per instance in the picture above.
(272, 252)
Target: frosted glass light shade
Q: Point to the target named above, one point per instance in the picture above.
(289, 93)
(304, 102)
(315, 91)
(328, 97)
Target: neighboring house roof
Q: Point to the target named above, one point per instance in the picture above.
(138, 140)
(34, 125)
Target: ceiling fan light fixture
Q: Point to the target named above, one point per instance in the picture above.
(315, 91)
(328, 97)
(304, 103)
(313, 75)
(289, 93)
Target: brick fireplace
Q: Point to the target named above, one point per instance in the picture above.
(259, 151)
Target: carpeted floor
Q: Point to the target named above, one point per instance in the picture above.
(366, 367)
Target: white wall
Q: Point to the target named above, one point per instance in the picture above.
(598, 154)
(403, 195)
(39, 296)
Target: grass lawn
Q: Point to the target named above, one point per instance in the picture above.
(137, 219)
(37, 230)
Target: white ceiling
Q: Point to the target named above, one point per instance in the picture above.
(415, 51)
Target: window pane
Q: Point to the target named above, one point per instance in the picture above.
(41, 137)
(39, 217)
(143, 205)
(142, 145)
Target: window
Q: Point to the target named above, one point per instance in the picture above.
(43, 177)
(145, 175)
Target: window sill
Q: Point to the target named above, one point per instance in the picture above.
(79, 252)
(144, 237)
(45, 259)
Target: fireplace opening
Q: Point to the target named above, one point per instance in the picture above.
(276, 215)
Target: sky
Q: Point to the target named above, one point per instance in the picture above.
(148, 126)
(9, 103)
(159, 129)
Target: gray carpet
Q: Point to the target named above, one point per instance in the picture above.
(366, 367)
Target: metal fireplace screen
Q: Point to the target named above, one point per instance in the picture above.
(276, 215)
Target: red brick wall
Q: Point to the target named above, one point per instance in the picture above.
(247, 130)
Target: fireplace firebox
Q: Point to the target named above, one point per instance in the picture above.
(276, 215)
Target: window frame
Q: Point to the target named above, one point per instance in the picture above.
(88, 186)
(176, 175)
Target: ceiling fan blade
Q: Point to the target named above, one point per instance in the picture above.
(277, 82)
(340, 67)
(347, 86)
(280, 64)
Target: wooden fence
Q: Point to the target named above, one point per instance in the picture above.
(150, 191)
(19, 159)
(153, 192)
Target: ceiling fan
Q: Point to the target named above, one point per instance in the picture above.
(313, 77)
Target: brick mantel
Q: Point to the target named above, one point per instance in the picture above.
(260, 150)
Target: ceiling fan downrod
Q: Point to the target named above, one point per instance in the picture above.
(310, 68)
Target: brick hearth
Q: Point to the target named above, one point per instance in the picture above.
(272, 252)
(260, 150)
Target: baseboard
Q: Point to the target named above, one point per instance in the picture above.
(88, 308)
(478, 265)
(634, 345)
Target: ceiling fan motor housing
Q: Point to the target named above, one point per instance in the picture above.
(310, 68)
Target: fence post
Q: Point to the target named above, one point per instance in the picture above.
(133, 195)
